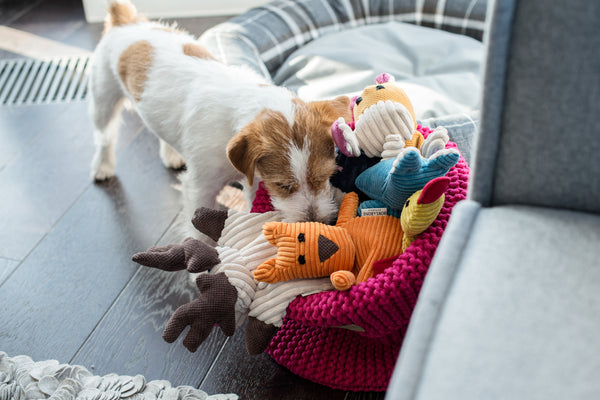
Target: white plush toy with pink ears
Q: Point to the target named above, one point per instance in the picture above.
(384, 123)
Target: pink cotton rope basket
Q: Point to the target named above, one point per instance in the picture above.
(350, 340)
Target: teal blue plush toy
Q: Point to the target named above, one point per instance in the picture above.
(391, 182)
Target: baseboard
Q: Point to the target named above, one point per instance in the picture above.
(95, 10)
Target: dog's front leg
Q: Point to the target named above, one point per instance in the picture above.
(249, 192)
(200, 187)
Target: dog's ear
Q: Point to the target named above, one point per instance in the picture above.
(331, 110)
(244, 150)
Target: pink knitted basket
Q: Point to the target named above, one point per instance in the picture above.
(350, 340)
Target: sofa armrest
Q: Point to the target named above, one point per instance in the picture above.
(263, 37)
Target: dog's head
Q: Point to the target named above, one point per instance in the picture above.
(294, 159)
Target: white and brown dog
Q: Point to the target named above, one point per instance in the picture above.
(226, 122)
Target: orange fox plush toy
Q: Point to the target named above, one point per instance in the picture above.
(346, 252)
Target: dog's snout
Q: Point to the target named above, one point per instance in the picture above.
(306, 208)
(311, 214)
(314, 215)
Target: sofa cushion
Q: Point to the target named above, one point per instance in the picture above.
(440, 71)
(506, 311)
(540, 128)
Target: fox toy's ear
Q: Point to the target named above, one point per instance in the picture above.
(271, 230)
(244, 150)
(331, 110)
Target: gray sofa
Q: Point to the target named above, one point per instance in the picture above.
(511, 302)
(510, 307)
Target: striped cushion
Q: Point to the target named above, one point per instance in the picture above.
(263, 37)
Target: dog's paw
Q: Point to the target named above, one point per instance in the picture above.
(174, 161)
(102, 171)
(170, 157)
(103, 174)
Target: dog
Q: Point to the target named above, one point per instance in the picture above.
(225, 123)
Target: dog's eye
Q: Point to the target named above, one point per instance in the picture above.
(407, 203)
(284, 186)
(378, 87)
(358, 100)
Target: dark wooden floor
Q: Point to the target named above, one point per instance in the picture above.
(68, 290)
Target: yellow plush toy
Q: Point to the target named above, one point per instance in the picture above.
(347, 251)
(384, 123)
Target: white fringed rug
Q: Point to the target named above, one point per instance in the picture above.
(22, 378)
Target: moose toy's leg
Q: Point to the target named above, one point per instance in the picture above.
(215, 306)
(269, 306)
(258, 335)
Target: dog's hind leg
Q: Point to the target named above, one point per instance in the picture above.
(105, 109)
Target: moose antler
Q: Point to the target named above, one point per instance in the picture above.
(215, 306)
(192, 254)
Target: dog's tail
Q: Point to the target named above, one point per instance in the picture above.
(121, 12)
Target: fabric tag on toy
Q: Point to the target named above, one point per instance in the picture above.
(373, 212)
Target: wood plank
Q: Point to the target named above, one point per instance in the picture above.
(6, 268)
(365, 396)
(10, 11)
(18, 128)
(85, 37)
(44, 180)
(52, 19)
(56, 297)
(128, 339)
(259, 377)
(130, 332)
(5, 54)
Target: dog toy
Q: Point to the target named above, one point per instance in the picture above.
(391, 182)
(229, 294)
(347, 251)
(383, 124)
(382, 114)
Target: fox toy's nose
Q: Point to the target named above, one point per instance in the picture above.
(327, 248)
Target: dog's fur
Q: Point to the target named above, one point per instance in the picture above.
(226, 122)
